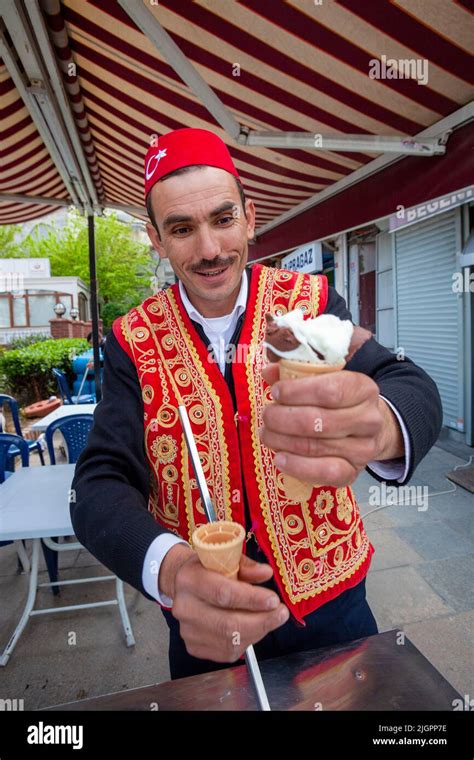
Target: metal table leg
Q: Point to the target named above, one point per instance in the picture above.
(22, 556)
(30, 602)
(124, 614)
(29, 610)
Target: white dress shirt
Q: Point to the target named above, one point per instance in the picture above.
(219, 331)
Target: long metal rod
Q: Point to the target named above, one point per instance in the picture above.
(51, 62)
(250, 657)
(148, 23)
(84, 377)
(453, 121)
(35, 199)
(94, 307)
(41, 99)
(193, 453)
(366, 143)
(38, 118)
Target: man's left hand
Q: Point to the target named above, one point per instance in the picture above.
(327, 428)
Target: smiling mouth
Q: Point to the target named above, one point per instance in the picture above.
(213, 272)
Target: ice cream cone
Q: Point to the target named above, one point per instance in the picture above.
(299, 490)
(290, 369)
(219, 546)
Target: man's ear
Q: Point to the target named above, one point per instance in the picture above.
(155, 240)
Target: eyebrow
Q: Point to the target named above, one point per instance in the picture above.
(178, 218)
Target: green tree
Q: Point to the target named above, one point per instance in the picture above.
(124, 265)
(8, 247)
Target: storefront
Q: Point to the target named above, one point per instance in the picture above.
(409, 278)
(361, 246)
(430, 312)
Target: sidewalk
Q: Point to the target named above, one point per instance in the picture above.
(420, 582)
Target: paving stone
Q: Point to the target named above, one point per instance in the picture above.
(438, 457)
(8, 560)
(454, 505)
(435, 540)
(361, 486)
(407, 515)
(45, 669)
(375, 519)
(448, 643)
(401, 595)
(453, 580)
(464, 526)
(391, 550)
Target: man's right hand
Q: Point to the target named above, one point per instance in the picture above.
(218, 617)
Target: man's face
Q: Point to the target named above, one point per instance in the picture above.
(203, 231)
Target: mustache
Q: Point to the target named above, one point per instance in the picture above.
(209, 266)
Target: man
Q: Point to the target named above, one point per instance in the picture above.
(90, 365)
(301, 582)
(101, 340)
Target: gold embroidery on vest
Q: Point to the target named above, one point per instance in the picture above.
(164, 449)
(164, 495)
(191, 384)
(206, 411)
(284, 520)
(296, 291)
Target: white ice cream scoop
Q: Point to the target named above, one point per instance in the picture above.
(327, 335)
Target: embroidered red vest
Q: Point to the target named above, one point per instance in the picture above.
(317, 548)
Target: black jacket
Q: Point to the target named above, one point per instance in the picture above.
(111, 483)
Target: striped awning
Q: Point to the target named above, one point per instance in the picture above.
(276, 66)
(25, 164)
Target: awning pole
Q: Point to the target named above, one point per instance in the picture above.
(94, 306)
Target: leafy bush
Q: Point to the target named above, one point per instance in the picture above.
(28, 340)
(110, 312)
(26, 373)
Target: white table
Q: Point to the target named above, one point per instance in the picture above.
(34, 504)
(63, 411)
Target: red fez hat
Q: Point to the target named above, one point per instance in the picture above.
(185, 147)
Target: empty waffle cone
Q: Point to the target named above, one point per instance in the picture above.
(300, 490)
(219, 546)
(290, 369)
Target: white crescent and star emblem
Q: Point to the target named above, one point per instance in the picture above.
(156, 157)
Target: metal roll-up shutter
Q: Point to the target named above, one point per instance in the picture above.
(428, 311)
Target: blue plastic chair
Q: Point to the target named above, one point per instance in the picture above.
(32, 445)
(75, 430)
(65, 391)
(9, 441)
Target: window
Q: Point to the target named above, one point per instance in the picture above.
(41, 309)
(4, 311)
(82, 300)
(33, 309)
(19, 311)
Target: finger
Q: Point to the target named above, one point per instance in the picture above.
(333, 471)
(271, 373)
(252, 627)
(333, 391)
(359, 451)
(224, 636)
(254, 572)
(362, 420)
(227, 593)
